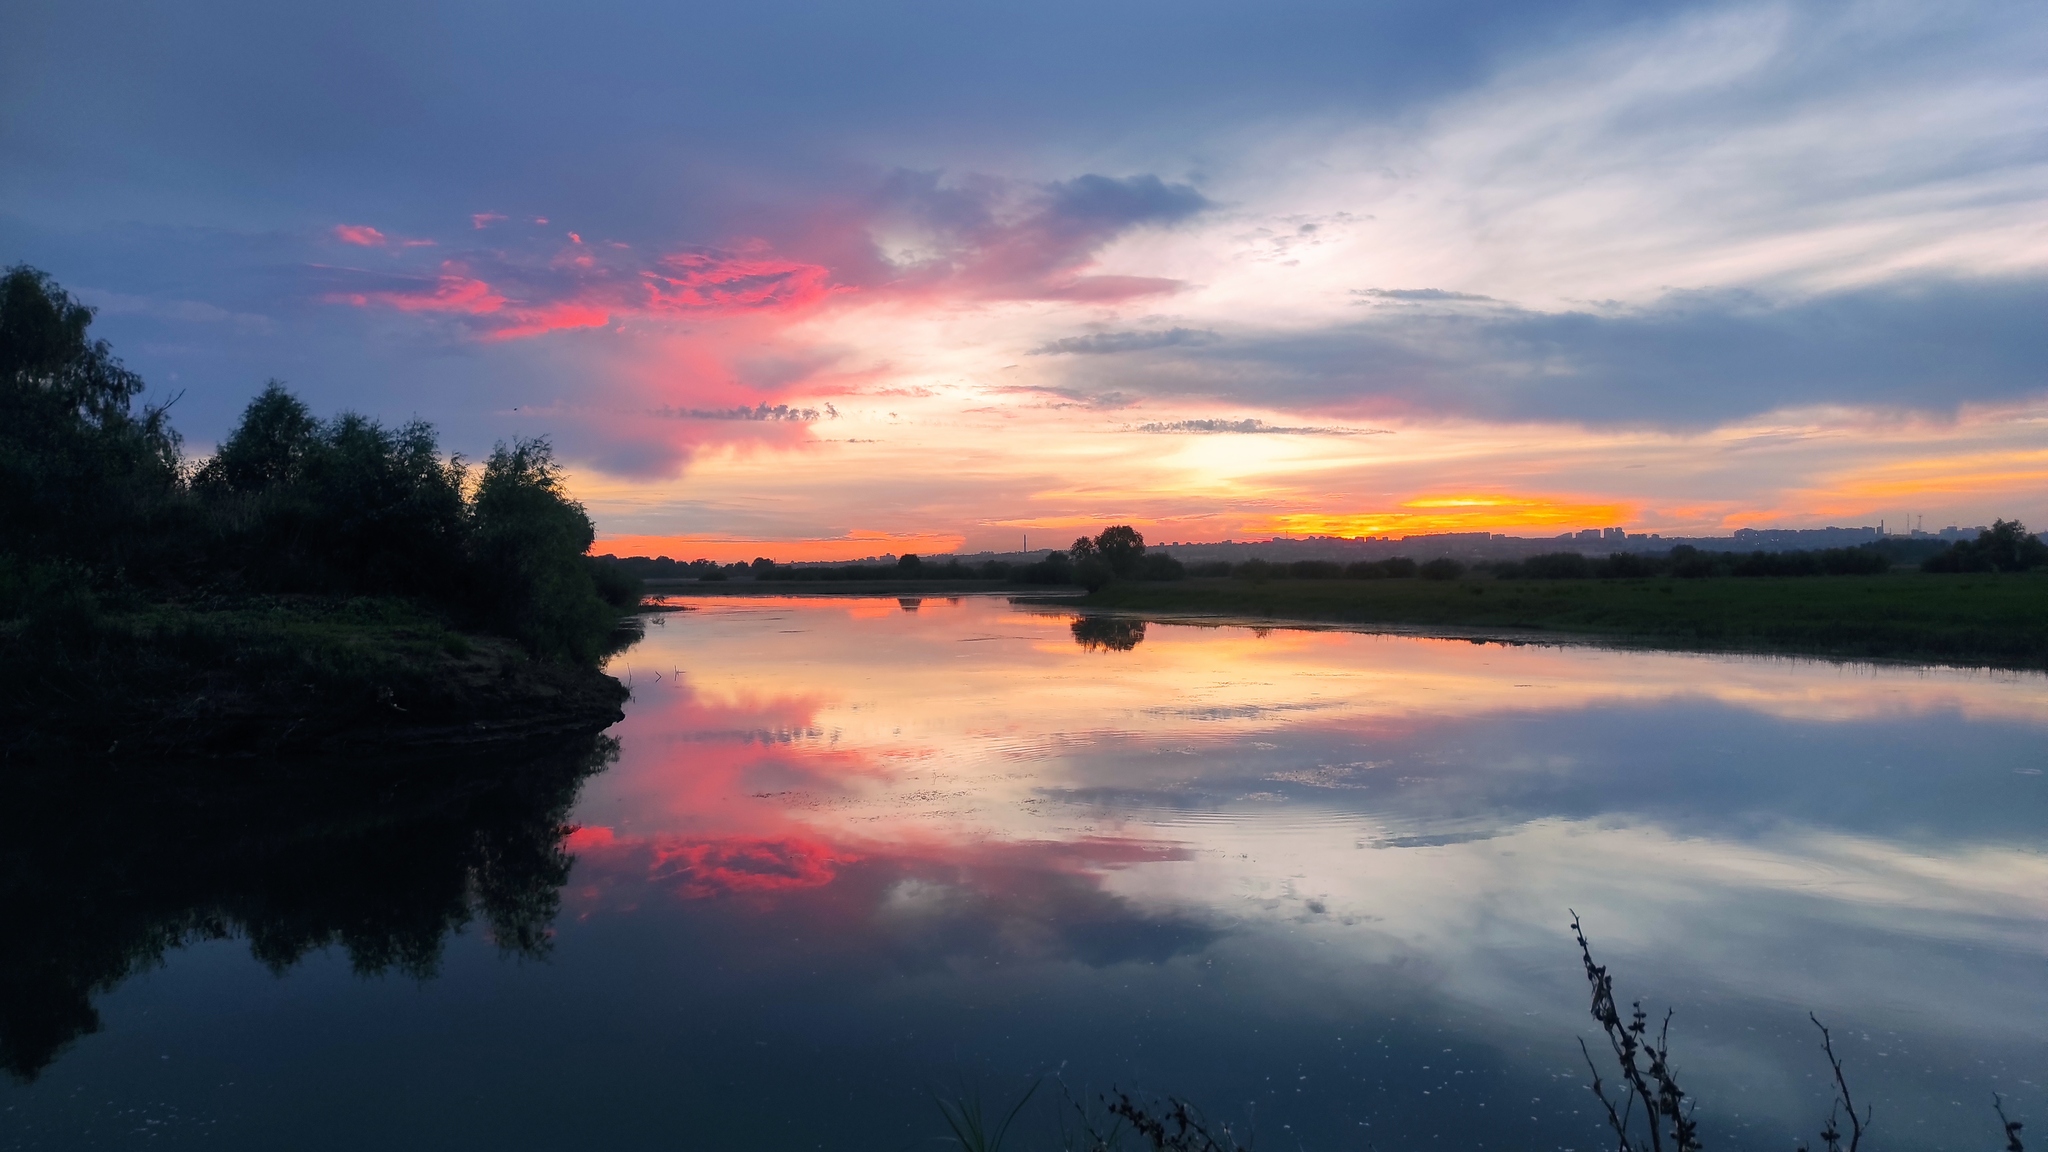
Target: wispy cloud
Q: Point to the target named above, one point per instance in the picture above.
(1105, 343)
(1250, 427)
(778, 413)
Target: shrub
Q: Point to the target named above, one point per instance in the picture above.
(1159, 566)
(1397, 568)
(1315, 570)
(1442, 568)
(1557, 566)
(85, 475)
(1056, 568)
(1691, 563)
(530, 540)
(2006, 546)
(1627, 566)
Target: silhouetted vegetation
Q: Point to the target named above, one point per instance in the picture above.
(1107, 633)
(106, 871)
(1649, 1091)
(1442, 568)
(1988, 620)
(1683, 561)
(1645, 1111)
(1118, 553)
(127, 573)
(289, 504)
(1688, 562)
(2006, 546)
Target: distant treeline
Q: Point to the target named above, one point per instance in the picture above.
(2006, 547)
(1119, 553)
(103, 512)
(1054, 569)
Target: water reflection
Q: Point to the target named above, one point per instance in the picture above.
(1315, 880)
(106, 872)
(1108, 633)
(1297, 834)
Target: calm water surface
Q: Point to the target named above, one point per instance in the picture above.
(854, 853)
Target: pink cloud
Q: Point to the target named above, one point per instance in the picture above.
(708, 282)
(711, 327)
(549, 318)
(449, 292)
(361, 235)
(747, 864)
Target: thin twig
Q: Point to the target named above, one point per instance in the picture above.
(1856, 1125)
(2012, 1127)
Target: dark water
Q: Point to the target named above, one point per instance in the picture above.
(852, 854)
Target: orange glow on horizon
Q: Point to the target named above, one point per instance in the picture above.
(853, 546)
(1487, 512)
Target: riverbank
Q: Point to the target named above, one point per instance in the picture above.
(1988, 620)
(282, 676)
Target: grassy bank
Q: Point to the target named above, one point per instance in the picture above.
(314, 585)
(270, 675)
(1990, 620)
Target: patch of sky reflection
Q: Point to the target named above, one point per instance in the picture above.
(1314, 881)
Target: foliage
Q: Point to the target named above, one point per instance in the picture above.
(1970, 621)
(1107, 633)
(1688, 562)
(2006, 546)
(85, 475)
(529, 544)
(1395, 568)
(971, 1128)
(1647, 1080)
(100, 508)
(1442, 568)
(1118, 553)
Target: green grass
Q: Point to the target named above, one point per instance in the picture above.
(1975, 620)
(273, 674)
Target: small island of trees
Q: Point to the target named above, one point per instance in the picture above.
(314, 580)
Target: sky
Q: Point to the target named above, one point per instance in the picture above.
(821, 281)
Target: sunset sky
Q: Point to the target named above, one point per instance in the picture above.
(828, 280)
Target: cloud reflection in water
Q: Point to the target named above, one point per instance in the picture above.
(1388, 826)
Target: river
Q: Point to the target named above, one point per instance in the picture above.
(859, 856)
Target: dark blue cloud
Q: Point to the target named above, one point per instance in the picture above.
(638, 111)
(1107, 343)
(1103, 203)
(1692, 359)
